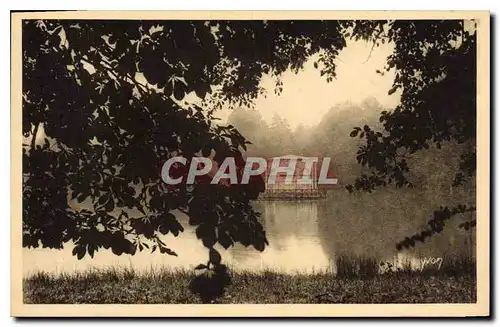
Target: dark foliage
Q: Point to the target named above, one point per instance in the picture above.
(436, 225)
(435, 66)
(107, 133)
(213, 281)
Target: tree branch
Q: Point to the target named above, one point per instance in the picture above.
(370, 54)
(35, 132)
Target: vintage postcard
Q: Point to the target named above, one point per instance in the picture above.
(251, 164)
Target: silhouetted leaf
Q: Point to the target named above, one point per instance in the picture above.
(201, 266)
(215, 257)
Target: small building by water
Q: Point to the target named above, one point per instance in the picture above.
(295, 188)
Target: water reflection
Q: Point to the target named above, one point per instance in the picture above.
(370, 225)
(294, 245)
(304, 236)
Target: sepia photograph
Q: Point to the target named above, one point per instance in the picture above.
(250, 163)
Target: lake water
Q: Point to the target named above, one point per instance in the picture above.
(304, 237)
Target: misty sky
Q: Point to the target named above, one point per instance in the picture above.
(306, 96)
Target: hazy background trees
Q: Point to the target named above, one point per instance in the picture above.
(109, 97)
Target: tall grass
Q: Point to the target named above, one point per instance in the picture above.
(356, 267)
(357, 280)
(365, 267)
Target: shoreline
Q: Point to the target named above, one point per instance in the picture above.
(169, 286)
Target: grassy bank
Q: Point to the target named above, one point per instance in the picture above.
(173, 286)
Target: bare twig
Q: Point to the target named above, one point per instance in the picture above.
(33, 140)
(370, 54)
